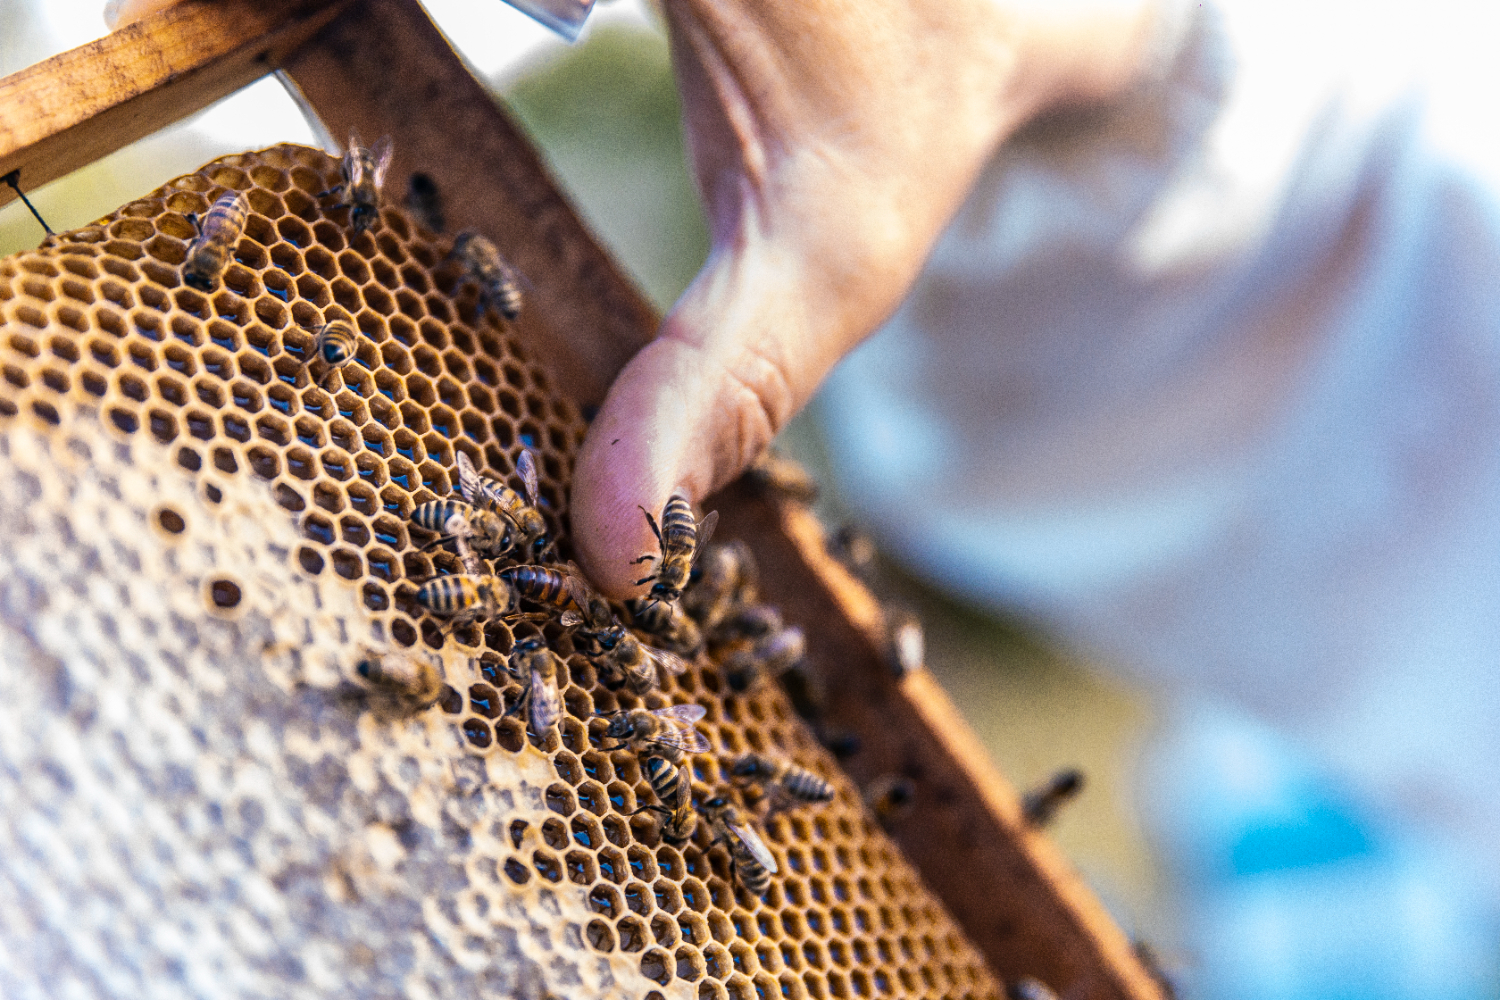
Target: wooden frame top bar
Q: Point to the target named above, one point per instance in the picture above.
(70, 110)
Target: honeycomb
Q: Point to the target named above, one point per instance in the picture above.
(213, 552)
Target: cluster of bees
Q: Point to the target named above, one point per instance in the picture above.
(363, 170)
(488, 521)
(694, 604)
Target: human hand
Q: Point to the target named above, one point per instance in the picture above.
(832, 142)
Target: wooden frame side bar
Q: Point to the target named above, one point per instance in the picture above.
(70, 110)
(1016, 897)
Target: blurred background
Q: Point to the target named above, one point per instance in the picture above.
(1213, 908)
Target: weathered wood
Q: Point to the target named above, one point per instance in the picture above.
(384, 68)
(70, 110)
(1016, 897)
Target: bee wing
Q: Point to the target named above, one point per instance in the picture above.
(470, 486)
(526, 466)
(668, 664)
(545, 706)
(354, 140)
(683, 715)
(383, 150)
(747, 835)
(685, 738)
(705, 532)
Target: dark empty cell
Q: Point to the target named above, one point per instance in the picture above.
(123, 419)
(337, 464)
(390, 385)
(344, 436)
(55, 380)
(264, 462)
(580, 866)
(379, 299)
(236, 427)
(390, 532)
(163, 427)
(406, 635)
(590, 797)
(654, 966)
(271, 313)
(135, 388)
(546, 866)
(300, 463)
(347, 564)
(514, 869)
(224, 460)
(354, 531)
(351, 408)
(225, 593)
(310, 560)
(376, 599)
(560, 799)
(484, 700)
(427, 360)
(599, 935)
(289, 370)
(511, 734)
(362, 498)
(322, 263)
(189, 459)
(445, 421)
(245, 396)
(318, 529)
(372, 470)
(450, 700)
(632, 934)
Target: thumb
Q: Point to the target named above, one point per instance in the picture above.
(734, 361)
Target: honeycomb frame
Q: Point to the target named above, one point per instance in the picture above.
(98, 321)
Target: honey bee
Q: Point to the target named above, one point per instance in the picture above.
(412, 686)
(855, 549)
(668, 623)
(475, 531)
(522, 512)
(773, 474)
(665, 732)
(464, 598)
(623, 660)
(425, 200)
(770, 656)
(1029, 988)
(499, 282)
(674, 793)
(1040, 805)
(364, 172)
(534, 661)
(218, 234)
(906, 650)
(750, 621)
(890, 797)
(782, 776)
(750, 860)
(334, 346)
(725, 578)
(563, 590)
(682, 539)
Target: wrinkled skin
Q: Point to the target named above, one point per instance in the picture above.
(831, 140)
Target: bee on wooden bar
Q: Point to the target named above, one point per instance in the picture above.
(770, 657)
(475, 531)
(538, 664)
(334, 346)
(781, 776)
(906, 651)
(425, 200)
(219, 233)
(499, 282)
(750, 860)
(775, 475)
(564, 591)
(464, 598)
(851, 546)
(682, 539)
(668, 623)
(890, 797)
(625, 661)
(665, 732)
(522, 512)
(725, 578)
(1029, 988)
(364, 172)
(1040, 805)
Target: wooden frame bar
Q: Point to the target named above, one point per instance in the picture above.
(382, 67)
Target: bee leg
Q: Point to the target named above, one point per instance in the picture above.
(333, 190)
(193, 218)
(516, 708)
(652, 808)
(654, 529)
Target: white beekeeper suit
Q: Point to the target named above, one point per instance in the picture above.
(1211, 381)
